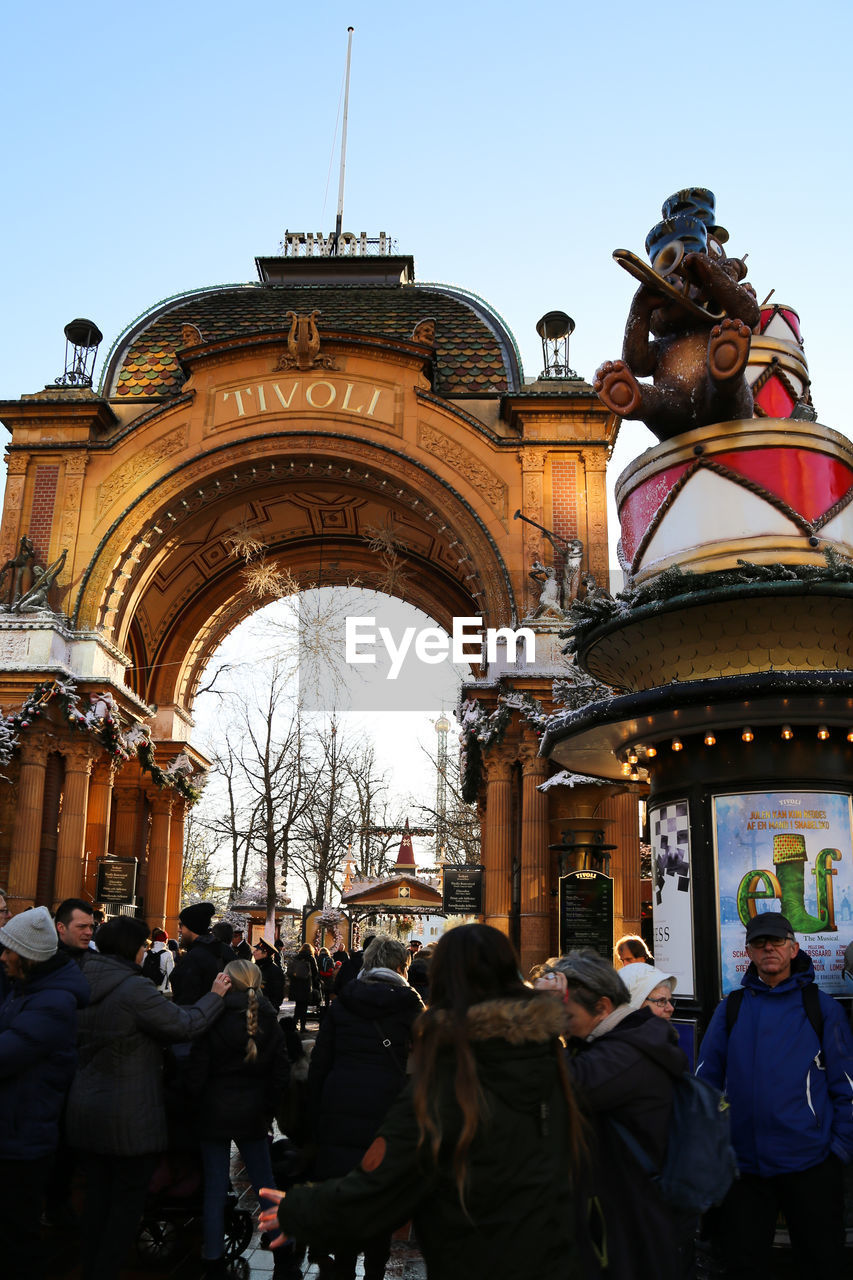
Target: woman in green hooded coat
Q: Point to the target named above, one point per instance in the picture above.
(483, 1146)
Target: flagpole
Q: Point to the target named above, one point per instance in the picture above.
(340, 217)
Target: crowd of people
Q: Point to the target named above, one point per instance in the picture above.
(521, 1125)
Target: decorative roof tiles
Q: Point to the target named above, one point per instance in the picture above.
(475, 352)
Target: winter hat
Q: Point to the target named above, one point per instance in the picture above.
(31, 934)
(197, 918)
(641, 980)
(159, 935)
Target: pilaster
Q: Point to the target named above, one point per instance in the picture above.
(497, 842)
(70, 848)
(26, 840)
(156, 883)
(535, 884)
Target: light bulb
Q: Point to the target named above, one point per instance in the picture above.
(747, 735)
(677, 744)
(823, 733)
(787, 732)
(710, 740)
(652, 751)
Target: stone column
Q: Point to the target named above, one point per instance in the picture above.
(70, 847)
(126, 806)
(176, 865)
(497, 844)
(26, 836)
(98, 819)
(535, 883)
(158, 856)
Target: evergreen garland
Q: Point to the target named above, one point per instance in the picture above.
(106, 730)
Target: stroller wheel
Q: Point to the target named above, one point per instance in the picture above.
(156, 1241)
(238, 1231)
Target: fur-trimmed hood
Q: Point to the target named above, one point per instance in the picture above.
(515, 1044)
(532, 1020)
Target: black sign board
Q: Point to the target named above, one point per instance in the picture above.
(586, 912)
(116, 880)
(463, 891)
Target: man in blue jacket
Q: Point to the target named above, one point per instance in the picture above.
(785, 1062)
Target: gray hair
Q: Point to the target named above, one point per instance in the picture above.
(385, 953)
(589, 977)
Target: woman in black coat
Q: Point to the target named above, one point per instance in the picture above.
(358, 1067)
(272, 977)
(624, 1063)
(237, 1072)
(304, 979)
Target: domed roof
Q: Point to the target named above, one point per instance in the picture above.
(475, 352)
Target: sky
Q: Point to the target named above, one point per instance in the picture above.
(510, 148)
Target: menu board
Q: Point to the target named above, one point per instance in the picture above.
(463, 891)
(586, 912)
(116, 880)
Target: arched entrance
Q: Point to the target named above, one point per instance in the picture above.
(232, 410)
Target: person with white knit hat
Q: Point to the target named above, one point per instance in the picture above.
(650, 988)
(38, 1055)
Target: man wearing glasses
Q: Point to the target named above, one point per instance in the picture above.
(785, 1061)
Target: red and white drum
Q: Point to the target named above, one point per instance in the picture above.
(777, 370)
(763, 490)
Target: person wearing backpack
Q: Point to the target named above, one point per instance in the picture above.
(159, 961)
(624, 1063)
(782, 1051)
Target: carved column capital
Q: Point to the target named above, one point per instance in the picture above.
(594, 458)
(497, 765)
(531, 761)
(33, 748)
(161, 799)
(78, 756)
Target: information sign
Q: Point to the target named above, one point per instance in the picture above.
(116, 880)
(463, 891)
(586, 912)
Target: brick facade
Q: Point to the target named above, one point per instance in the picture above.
(41, 516)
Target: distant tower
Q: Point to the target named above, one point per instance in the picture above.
(442, 728)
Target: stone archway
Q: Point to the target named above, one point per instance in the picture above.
(209, 420)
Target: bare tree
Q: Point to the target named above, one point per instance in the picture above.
(198, 873)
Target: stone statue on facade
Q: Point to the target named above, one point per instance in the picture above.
(36, 599)
(549, 597)
(20, 571)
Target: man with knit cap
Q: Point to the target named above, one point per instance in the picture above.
(38, 1035)
(194, 973)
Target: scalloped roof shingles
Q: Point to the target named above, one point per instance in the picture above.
(473, 355)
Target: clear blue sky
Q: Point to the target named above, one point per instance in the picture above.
(509, 147)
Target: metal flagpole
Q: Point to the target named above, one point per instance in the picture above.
(340, 218)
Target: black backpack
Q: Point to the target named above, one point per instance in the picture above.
(700, 1163)
(152, 967)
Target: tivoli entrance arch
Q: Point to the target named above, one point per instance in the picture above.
(334, 395)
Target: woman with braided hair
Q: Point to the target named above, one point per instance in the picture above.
(236, 1074)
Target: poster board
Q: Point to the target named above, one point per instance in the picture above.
(672, 906)
(788, 851)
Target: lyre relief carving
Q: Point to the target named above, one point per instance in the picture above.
(303, 344)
